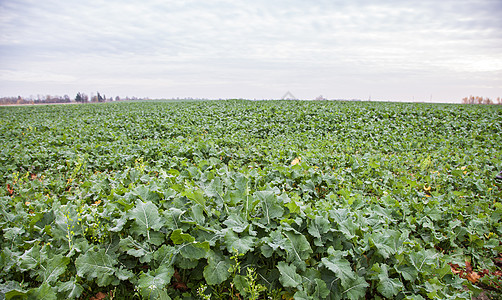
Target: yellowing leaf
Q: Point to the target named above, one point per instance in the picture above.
(296, 161)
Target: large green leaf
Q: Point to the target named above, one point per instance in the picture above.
(146, 217)
(240, 244)
(197, 196)
(387, 242)
(30, 259)
(236, 223)
(71, 289)
(356, 288)
(217, 269)
(44, 291)
(164, 255)
(289, 277)
(178, 237)
(99, 265)
(320, 289)
(348, 228)
(155, 281)
(276, 240)
(423, 259)
(409, 273)
(136, 249)
(389, 287)
(145, 194)
(11, 289)
(271, 207)
(52, 268)
(194, 250)
(340, 266)
(318, 227)
(297, 248)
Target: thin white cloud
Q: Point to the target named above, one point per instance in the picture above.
(26, 76)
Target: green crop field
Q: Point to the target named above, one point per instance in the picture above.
(250, 200)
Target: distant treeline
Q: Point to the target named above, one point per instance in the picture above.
(481, 100)
(79, 98)
(84, 98)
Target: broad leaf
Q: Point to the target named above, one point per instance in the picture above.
(348, 228)
(30, 259)
(164, 255)
(356, 288)
(99, 265)
(271, 208)
(387, 242)
(136, 249)
(340, 266)
(389, 287)
(146, 217)
(422, 259)
(178, 237)
(157, 279)
(216, 270)
(241, 245)
(297, 248)
(44, 291)
(236, 223)
(145, 194)
(289, 277)
(71, 289)
(194, 250)
(320, 290)
(318, 228)
(53, 268)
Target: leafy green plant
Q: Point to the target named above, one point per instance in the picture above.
(250, 200)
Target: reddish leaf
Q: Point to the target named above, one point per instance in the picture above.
(470, 274)
(472, 277)
(180, 286)
(498, 261)
(455, 268)
(178, 282)
(177, 276)
(9, 189)
(99, 296)
(468, 266)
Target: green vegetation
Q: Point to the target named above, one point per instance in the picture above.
(250, 200)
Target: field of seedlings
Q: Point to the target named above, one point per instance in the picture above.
(250, 200)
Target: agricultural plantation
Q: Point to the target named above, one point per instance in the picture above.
(250, 200)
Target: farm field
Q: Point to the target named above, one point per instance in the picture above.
(250, 200)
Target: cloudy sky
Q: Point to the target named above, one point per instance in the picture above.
(387, 50)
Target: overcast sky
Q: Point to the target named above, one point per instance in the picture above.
(389, 50)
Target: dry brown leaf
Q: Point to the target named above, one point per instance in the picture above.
(99, 296)
(472, 277)
(468, 266)
(9, 189)
(454, 268)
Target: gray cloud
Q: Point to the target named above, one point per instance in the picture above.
(251, 49)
